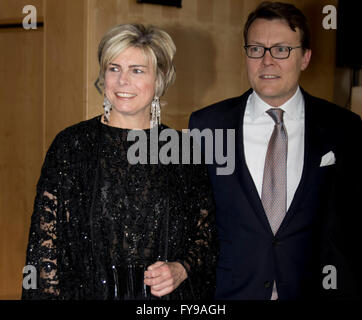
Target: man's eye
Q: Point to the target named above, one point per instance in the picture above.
(255, 49)
(282, 49)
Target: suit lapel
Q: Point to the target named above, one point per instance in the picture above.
(315, 145)
(245, 178)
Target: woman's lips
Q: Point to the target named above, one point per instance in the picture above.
(125, 95)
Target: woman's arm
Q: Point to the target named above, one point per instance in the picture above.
(200, 261)
(42, 244)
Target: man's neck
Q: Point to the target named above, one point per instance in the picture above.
(277, 101)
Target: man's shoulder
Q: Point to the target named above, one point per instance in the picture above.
(330, 110)
(219, 110)
(224, 105)
(220, 105)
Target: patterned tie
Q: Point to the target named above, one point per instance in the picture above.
(274, 190)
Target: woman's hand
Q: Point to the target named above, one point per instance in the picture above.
(164, 277)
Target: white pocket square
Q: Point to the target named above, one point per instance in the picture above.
(328, 159)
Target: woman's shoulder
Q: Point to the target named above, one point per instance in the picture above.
(80, 128)
(78, 138)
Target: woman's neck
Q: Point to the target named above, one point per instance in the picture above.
(127, 122)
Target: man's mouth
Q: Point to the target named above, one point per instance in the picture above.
(268, 76)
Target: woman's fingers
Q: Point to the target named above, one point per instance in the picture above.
(164, 277)
(162, 291)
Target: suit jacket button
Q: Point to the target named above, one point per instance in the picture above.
(276, 242)
(267, 284)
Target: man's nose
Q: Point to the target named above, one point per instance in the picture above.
(267, 58)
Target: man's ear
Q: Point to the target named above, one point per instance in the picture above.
(305, 59)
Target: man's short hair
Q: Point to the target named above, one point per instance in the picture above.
(283, 11)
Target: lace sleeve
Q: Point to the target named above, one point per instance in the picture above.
(42, 245)
(200, 262)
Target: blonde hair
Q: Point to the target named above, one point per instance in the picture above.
(155, 43)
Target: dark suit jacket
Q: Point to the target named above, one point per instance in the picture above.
(321, 225)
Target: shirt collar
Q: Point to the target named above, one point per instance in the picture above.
(293, 108)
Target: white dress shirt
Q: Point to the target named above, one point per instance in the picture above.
(258, 127)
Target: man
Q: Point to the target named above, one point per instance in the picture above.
(287, 217)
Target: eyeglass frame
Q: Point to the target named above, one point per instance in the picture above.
(269, 49)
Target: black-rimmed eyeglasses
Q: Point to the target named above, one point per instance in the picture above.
(277, 52)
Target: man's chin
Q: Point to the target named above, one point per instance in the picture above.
(272, 98)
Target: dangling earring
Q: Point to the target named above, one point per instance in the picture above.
(107, 108)
(155, 112)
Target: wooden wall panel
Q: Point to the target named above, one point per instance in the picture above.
(65, 65)
(210, 55)
(21, 148)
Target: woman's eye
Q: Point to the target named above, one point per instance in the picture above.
(113, 69)
(137, 71)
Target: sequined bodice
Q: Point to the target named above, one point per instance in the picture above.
(135, 201)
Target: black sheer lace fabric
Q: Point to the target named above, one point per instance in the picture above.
(99, 221)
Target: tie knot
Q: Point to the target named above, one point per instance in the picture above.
(276, 114)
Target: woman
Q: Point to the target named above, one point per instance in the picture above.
(105, 229)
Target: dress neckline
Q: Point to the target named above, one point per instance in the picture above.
(118, 128)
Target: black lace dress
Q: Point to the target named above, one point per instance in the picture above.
(99, 221)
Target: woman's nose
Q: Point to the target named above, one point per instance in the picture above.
(123, 78)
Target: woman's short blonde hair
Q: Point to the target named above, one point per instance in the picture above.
(155, 43)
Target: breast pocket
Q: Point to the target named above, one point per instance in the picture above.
(325, 175)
